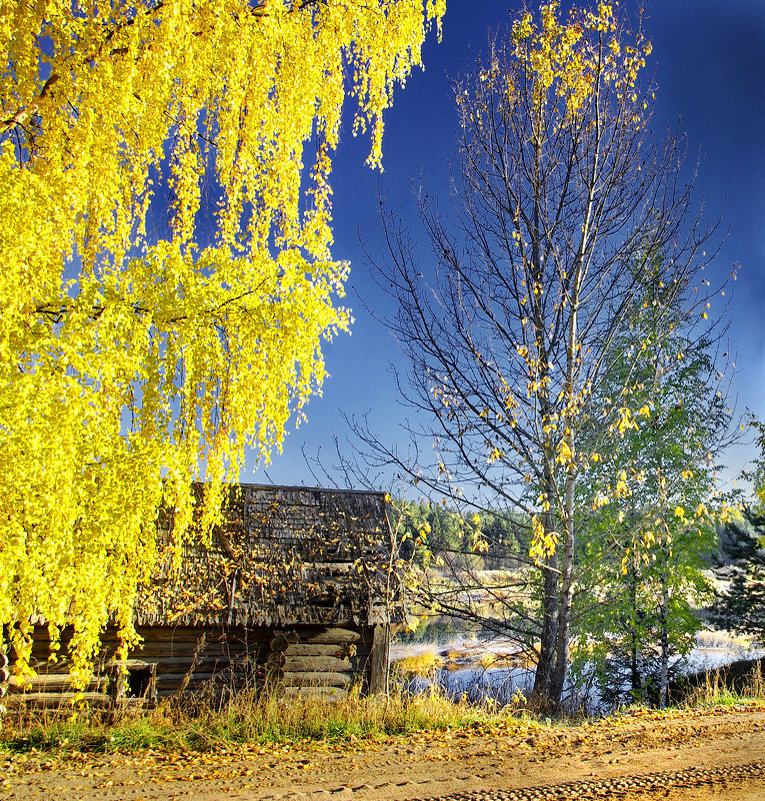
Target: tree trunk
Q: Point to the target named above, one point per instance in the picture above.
(545, 669)
(543, 675)
(664, 640)
(566, 594)
(379, 660)
(636, 682)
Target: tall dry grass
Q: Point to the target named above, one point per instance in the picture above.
(194, 723)
(218, 719)
(715, 690)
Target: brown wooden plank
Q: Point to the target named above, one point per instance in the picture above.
(316, 679)
(330, 636)
(165, 666)
(171, 688)
(379, 660)
(320, 649)
(49, 681)
(45, 668)
(175, 680)
(212, 635)
(326, 693)
(178, 663)
(114, 664)
(55, 700)
(300, 664)
(154, 649)
(180, 634)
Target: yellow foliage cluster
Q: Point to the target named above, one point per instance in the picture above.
(655, 533)
(126, 360)
(543, 541)
(563, 68)
(567, 58)
(625, 421)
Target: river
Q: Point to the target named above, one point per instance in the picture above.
(482, 671)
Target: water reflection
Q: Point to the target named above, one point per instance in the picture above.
(490, 671)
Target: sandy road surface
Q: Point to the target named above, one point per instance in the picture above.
(700, 755)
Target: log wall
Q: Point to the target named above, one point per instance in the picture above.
(170, 659)
(309, 660)
(324, 661)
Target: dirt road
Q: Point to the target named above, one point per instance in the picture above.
(700, 755)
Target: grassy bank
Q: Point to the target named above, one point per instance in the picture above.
(194, 725)
(245, 719)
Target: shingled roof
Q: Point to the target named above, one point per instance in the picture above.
(285, 556)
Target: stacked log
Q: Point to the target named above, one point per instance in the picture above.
(175, 659)
(306, 660)
(51, 687)
(321, 662)
(188, 657)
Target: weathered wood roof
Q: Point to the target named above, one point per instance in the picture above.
(285, 556)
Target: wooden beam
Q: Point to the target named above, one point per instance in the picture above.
(339, 650)
(42, 682)
(331, 636)
(332, 664)
(379, 660)
(316, 679)
(327, 693)
(67, 700)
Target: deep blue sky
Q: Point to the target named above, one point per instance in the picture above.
(708, 63)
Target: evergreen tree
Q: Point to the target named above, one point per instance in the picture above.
(741, 605)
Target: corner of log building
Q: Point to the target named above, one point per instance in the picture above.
(292, 596)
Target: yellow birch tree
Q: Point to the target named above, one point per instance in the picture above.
(562, 203)
(127, 361)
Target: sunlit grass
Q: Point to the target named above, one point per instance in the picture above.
(725, 640)
(204, 723)
(714, 690)
(247, 718)
(425, 663)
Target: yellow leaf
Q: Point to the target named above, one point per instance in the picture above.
(133, 365)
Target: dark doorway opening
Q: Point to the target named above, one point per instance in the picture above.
(140, 682)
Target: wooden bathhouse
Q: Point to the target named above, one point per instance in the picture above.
(296, 594)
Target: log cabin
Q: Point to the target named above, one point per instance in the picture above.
(295, 593)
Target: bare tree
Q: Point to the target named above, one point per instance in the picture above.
(562, 202)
